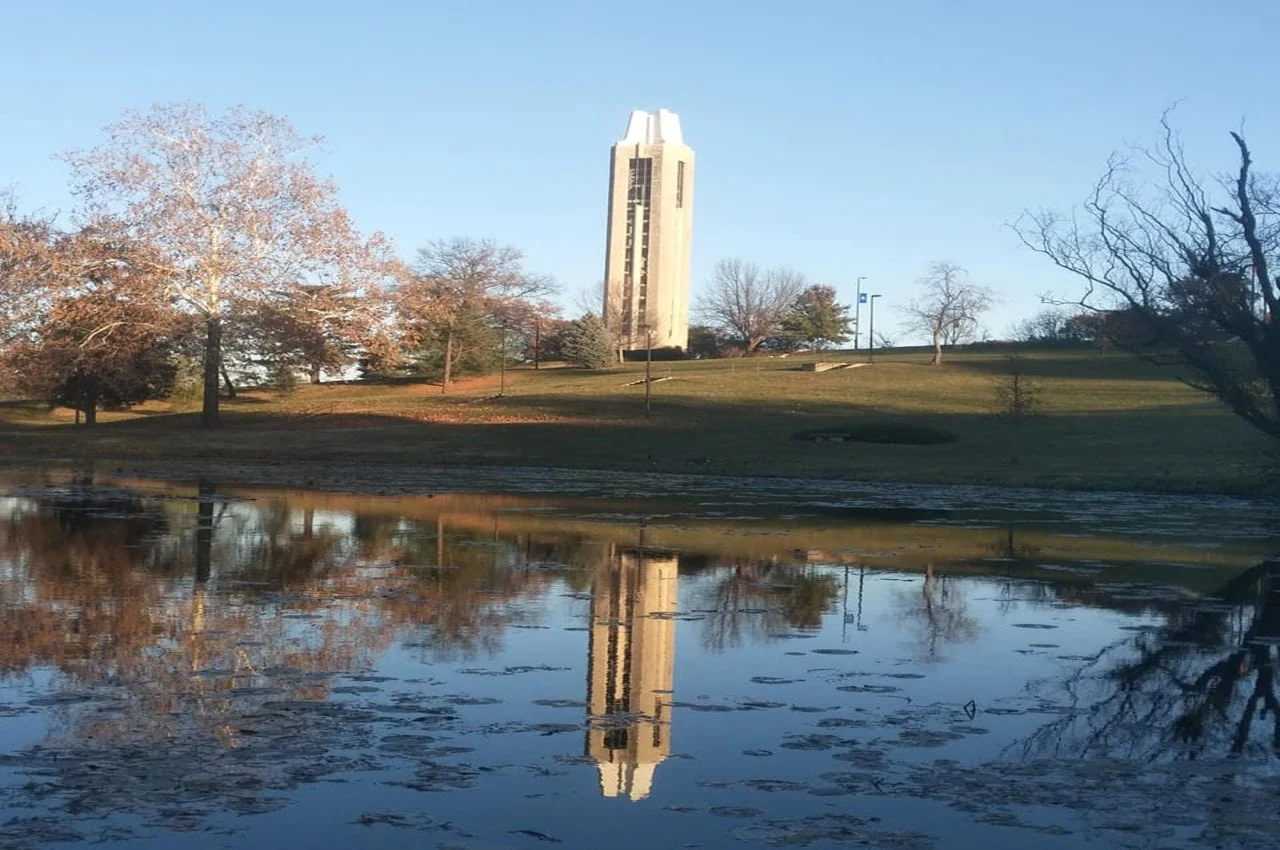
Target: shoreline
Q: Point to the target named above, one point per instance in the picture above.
(367, 477)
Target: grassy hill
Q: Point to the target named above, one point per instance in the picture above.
(1108, 421)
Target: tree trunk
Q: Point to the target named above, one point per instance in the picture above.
(212, 368)
(448, 363)
(937, 349)
(90, 403)
(226, 380)
(315, 373)
(204, 530)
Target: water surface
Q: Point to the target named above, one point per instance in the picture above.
(637, 665)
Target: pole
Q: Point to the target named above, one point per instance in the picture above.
(857, 311)
(871, 336)
(844, 619)
(862, 574)
(537, 343)
(502, 366)
(648, 366)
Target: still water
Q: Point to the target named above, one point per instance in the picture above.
(726, 667)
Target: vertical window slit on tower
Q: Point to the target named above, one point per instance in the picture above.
(636, 265)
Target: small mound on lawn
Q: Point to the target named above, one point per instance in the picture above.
(894, 433)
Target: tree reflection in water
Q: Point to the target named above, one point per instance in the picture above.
(1200, 685)
(936, 615)
(205, 607)
(235, 631)
(750, 600)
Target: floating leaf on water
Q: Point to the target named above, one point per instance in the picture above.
(840, 722)
(831, 828)
(465, 699)
(512, 671)
(369, 678)
(533, 833)
(754, 705)
(775, 785)
(703, 706)
(814, 741)
(400, 820)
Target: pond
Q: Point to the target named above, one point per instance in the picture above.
(493, 659)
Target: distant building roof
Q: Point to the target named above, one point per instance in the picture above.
(653, 128)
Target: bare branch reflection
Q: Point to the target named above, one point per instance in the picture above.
(936, 614)
(1202, 684)
(751, 600)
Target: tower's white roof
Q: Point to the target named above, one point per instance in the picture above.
(653, 128)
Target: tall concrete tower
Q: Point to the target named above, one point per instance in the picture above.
(646, 278)
(630, 668)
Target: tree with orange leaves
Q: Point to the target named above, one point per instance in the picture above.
(88, 326)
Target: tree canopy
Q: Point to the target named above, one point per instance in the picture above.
(586, 342)
(232, 209)
(816, 320)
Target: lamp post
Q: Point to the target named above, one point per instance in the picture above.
(871, 336)
(502, 364)
(648, 366)
(857, 311)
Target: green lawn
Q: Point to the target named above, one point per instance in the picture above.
(1109, 421)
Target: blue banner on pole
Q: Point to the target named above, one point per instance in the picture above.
(862, 298)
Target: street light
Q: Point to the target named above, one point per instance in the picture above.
(857, 311)
(871, 339)
(537, 342)
(648, 365)
(502, 364)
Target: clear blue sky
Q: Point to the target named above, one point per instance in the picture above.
(842, 138)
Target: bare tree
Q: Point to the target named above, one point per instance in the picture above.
(950, 309)
(232, 207)
(747, 303)
(1191, 273)
(463, 286)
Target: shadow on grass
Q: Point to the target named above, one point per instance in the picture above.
(1154, 447)
(1070, 364)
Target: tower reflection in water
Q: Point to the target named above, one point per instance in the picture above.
(630, 669)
